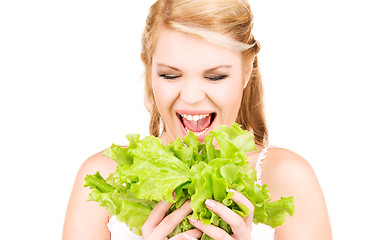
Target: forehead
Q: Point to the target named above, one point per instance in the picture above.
(183, 50)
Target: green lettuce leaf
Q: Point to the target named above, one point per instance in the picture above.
(148, 172)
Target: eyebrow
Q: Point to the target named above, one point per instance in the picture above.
(217, 67)
(208, 70)
(168, 66)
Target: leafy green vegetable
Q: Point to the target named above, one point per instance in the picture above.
(149, 172)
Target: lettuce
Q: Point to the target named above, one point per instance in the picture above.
(149, 171)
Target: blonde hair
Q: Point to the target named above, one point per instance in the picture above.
(227, 23)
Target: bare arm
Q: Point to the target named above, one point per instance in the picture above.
(288, 174)
(87, 220)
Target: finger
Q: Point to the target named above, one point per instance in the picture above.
(167, 225)
(211, 230)
(196, 233)
(183, 237)
(237, 223)
(240, 198)
(193, 234)
(156, 216)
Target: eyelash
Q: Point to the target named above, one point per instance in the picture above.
(169, 77)
(214, 78)
(217, 78)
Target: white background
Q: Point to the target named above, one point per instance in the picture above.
(71, 84)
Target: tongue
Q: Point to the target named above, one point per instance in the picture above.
(197, 126)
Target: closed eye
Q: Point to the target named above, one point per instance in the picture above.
(216, 77)
(169, 76)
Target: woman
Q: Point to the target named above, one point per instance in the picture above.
(201, 71)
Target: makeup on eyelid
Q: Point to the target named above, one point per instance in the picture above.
(213, 74)
(209, 77)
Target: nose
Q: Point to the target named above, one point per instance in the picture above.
(192, 91)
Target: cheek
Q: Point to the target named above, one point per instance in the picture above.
(164, 95)
(159, 96)
(228, 97)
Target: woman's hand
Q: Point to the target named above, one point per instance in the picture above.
(159, 226)
(241, 228)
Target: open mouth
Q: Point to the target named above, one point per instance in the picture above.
(197, 123)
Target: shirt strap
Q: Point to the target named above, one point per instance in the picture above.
(259, 164)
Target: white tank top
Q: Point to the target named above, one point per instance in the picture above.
(120, 231)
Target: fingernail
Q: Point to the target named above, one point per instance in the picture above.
(231, 190)
(210, 203)
(192, 220)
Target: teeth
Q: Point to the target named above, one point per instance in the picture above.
(194, 117)
(197, 133)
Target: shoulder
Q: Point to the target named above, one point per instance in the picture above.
(289, 174)
(281, 164)
(281, 160)
(84, 219)
(98, 162)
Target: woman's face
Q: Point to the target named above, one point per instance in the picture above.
(197, 85)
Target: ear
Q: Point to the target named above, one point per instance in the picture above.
(248, 68)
